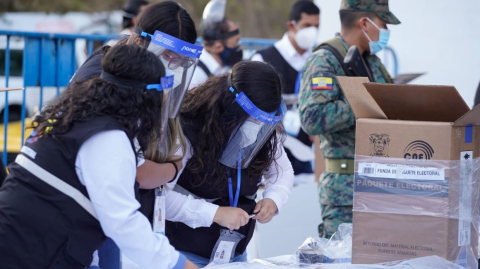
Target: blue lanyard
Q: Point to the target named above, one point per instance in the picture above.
(239, 180)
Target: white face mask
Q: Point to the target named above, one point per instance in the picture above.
(250, 130)
(305, 37)
(177, 73)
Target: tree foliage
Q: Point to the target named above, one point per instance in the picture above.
(257, 18)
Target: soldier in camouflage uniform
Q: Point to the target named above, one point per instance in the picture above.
(324, 110)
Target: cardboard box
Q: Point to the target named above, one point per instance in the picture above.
(415, 191)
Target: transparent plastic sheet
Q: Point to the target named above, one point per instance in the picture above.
(433, 205)
(336, 250)
(430, 262)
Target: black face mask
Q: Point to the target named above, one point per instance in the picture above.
(231, 56)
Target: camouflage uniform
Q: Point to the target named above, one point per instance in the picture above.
(325, 112)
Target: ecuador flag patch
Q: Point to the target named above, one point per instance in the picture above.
(322, 83)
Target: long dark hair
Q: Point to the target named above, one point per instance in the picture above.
(204, 106)
(168, 17)
(135, 108)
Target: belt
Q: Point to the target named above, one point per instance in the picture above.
(340, 166)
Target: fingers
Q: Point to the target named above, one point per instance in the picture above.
(257, 207)
(246, 217)
(262, 210)
(266, 212)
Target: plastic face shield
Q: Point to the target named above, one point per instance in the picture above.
(249, 129)
(180, 59)
(166, 85)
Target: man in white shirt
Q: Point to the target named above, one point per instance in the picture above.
(222, 50)
(288, 56)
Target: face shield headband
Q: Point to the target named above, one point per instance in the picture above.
(165, 82)
(179, 58)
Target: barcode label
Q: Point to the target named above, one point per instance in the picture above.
(401, 171)
(368, 170)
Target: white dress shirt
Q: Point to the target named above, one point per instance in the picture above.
(199, 76)
(106, 165)
(200, 213)
(289, 53)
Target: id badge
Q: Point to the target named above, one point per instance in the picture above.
(159, 211)
(224, 250)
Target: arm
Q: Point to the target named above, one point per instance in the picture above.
(186, 209)
(323, 110)
(106, 165)
(279, 178)
(151, 175)
(198, 212)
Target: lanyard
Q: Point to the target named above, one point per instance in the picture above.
(234, 200)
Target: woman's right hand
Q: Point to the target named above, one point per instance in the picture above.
(231, 218)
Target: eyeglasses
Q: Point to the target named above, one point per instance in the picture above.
(175, 60)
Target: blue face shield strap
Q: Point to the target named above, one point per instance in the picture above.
(165, 83)
(254, 111)
(172, 43)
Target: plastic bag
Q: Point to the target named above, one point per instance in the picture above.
(336, 250)
(429, 262)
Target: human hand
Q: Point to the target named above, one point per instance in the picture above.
(265, 209)
(231, 218)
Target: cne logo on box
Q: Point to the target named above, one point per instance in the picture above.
(379, 144)
(418, 150)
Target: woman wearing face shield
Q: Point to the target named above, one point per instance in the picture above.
(170, 18)
(159, 162)
(234, 137)
(72, 184)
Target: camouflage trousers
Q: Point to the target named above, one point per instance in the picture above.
(336, 199)
(333, 216)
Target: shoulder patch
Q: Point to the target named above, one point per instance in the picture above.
(322, 83)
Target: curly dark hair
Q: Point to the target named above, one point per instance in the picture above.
(134, 107)
(202, 111)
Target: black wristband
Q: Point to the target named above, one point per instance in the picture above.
(176, 170)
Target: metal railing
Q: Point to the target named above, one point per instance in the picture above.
(49, 60)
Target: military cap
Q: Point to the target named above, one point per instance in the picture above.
(380, 7)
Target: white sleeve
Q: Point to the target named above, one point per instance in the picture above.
(279, 179)
(257, 57)
(106, 166)
(199, 77)
(186, 209)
